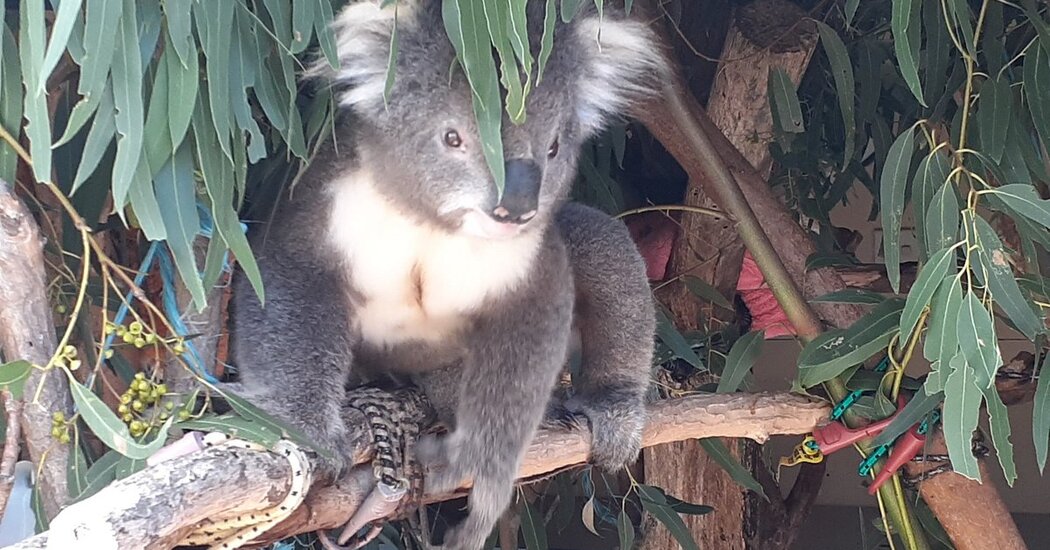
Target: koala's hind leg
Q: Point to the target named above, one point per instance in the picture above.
(615, 316)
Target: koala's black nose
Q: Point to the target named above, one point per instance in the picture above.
(521, 192)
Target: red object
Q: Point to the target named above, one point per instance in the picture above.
(906, 448)
(654, 234)
(835, 436)
(766, 313)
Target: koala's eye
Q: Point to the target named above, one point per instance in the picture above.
(553, 151)
(452, 139)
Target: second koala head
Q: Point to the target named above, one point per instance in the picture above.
(423, 141)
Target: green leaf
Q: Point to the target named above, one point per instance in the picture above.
(183, 82)
(785, 101)
(101, 473)
(850, 296)
(98, 139)
(1000, 279)
(234, 426)
(31, 38)
(178, 14)
(717, 450)
(465, 26)
(999, 422)
(740, 360)
(702, 289)
(936, 56)
(1026, 201)
(960, 13)
(143, 199)
(158, 147)
(216, 18)
(100, 40)
(13, 376)
(533, 529)
(818, 260)
(218, 182)
(128, 466)
(325, 35)
(893, 186)
(670, 336)
(174, 186)
(1041, 414)
(994, 112)
(625, 530)
(842, 70)
(837, 350)
(912, 413)
(962, 402)
(76, 471)
(65, 16)
(10, 100)
(977, 340)
(1037, 88)
(906, 41)
(655, 504)
(933, 273)
(587, 516)
(127, 98)
(547, 40)
(302, 24)
(942, 218)
(931, 176)
(497, 17)
(242, 77)
(108, 428)
(942, 338)
(851, 10)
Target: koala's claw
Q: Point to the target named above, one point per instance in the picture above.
(616, 431)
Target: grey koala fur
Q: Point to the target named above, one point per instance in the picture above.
(394, 258)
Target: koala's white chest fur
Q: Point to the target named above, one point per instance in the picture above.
(411, 281)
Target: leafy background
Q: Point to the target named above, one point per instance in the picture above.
(168, 122)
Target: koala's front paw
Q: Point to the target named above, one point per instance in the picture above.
(616, 429)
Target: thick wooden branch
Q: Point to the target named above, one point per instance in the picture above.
(27, 332)
(221, 482)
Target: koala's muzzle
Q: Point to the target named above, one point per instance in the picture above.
(521, 192)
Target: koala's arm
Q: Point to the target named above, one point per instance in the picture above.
(294, 353)
(515, 352)
(616, 320)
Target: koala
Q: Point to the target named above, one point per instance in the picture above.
(396, 258)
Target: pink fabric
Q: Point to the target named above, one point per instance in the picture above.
(655, 233)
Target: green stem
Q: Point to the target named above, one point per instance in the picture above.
(727, 193)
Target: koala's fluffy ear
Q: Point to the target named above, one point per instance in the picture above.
(362, 32)
(624, 62)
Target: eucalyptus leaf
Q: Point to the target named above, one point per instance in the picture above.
(842, 71)
(942, 218)
(785, 101)
(930, 177)
(108, 428)
(655, 504)
(913, 412)
(1041, 414)
(741, 358)
(977, 340)
(851, 296)
(31, 36)
(625, 530)
(702, 289)
(127, 98)
(718, 451)
(833, 352)
(905, 24)
(234, 426)
(670, 336)
(994, 113)
(100, 42)
(999, 422)
(10, 101)
(98, 139)
(894, 183)
(942, 263)
(962, 402)
(942, 337)
(13, 376)
(65, 17)
(999, 277)
(1037, 87)
(533, 529)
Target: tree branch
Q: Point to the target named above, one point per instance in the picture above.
(222, 482)
(27, 332)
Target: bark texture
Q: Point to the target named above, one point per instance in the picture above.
(27, 331)
(222, 482)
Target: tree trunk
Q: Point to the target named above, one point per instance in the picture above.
(711, 250)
